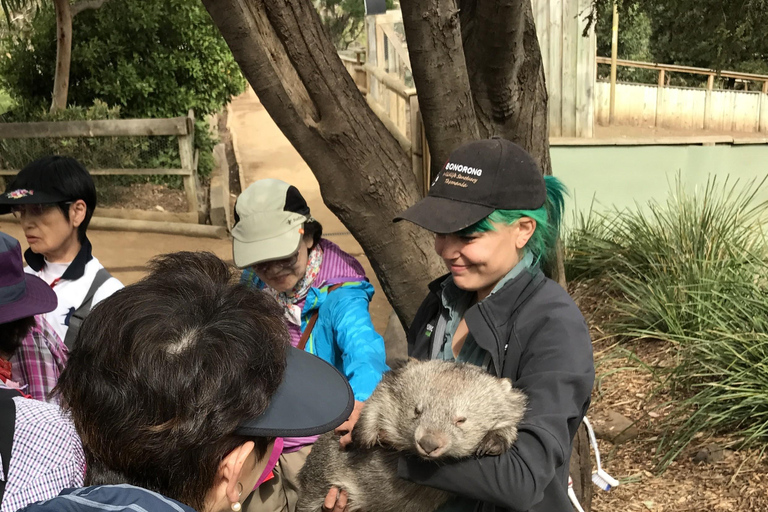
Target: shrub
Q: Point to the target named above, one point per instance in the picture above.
(692, 272)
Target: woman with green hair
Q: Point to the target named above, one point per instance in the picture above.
(496, 223)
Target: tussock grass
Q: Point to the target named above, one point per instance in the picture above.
(690, 271)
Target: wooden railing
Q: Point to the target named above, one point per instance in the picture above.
(748, 113)
(181, 127)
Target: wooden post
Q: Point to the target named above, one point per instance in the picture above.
(614, 57)
(659, 98)
(417, 160)
(762, 121)
(708, 102)
(187, 155)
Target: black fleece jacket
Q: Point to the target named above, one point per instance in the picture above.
(537, 337)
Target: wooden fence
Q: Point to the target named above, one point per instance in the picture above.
(685, 108)
(181, 127)
(389, 88)
(569, 64)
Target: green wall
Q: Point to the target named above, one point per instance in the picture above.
(599, 177)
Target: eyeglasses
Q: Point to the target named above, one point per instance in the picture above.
(34, 210)
(282, 264)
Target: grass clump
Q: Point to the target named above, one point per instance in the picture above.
(692, 272)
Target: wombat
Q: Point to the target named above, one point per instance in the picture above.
(435, 410)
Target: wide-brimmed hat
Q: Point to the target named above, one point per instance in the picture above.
(313, 398)
(270, 216)
(21, 295)
(479, 177)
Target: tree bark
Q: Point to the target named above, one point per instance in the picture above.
(506, 74)
(365, 177)
(63, 54)
(433, 32)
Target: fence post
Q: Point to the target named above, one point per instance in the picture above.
(187, 155)
(762, 121)
(659, 98)
(708, 102)
(614, 54)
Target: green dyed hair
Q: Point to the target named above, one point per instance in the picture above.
(543, 242)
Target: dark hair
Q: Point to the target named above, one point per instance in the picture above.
(164, 370)
(64, 175)
(314, 230)
(12, 333)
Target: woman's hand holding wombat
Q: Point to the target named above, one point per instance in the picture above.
(345, 429)
(336, 501)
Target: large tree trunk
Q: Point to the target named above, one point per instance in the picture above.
(506, 73)
(364, 175)
(433, 32)
(63, 54)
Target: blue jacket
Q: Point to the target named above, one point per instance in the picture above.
(344, 335)
(108, 498)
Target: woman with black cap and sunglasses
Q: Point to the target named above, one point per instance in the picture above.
(324, 295)
(54, 198)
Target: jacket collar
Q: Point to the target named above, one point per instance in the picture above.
(74, 271)
(490, 320)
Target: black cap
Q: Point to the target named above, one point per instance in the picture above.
(313, 398)
(14, 196)
(479, 177)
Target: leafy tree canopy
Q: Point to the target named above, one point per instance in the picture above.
(153, 59)
(718, 34)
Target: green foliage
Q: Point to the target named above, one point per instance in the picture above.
(153, 59)
(690, 272)
(634, 41)
(344, 20)
(715, 34)
(148, 59)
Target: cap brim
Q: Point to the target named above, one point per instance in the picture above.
(246, 254)
(39, 298)
(443, 216)
(36, 198)
(313, 398)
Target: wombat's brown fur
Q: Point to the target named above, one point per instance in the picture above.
(435, 410)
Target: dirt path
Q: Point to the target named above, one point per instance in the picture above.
(264, 152)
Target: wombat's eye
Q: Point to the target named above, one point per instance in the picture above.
(459, 421)
(418, 410)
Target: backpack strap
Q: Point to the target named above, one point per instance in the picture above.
(76, 320)
(312, 321)
(7, 429)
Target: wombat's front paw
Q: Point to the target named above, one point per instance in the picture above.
(495, 442)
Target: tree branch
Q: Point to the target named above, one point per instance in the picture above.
(433, 32)
(365, 177)
(506, 74)
(86, 5)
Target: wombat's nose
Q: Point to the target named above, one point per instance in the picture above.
(429, 444)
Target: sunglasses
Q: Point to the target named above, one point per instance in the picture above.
(34, 210)
(283, 264)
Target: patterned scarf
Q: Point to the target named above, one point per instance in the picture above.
(289, 299)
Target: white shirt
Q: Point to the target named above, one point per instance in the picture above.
(71, 293)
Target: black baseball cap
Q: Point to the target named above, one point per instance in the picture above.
(479, 177)
(18, 196)
(313, 398)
